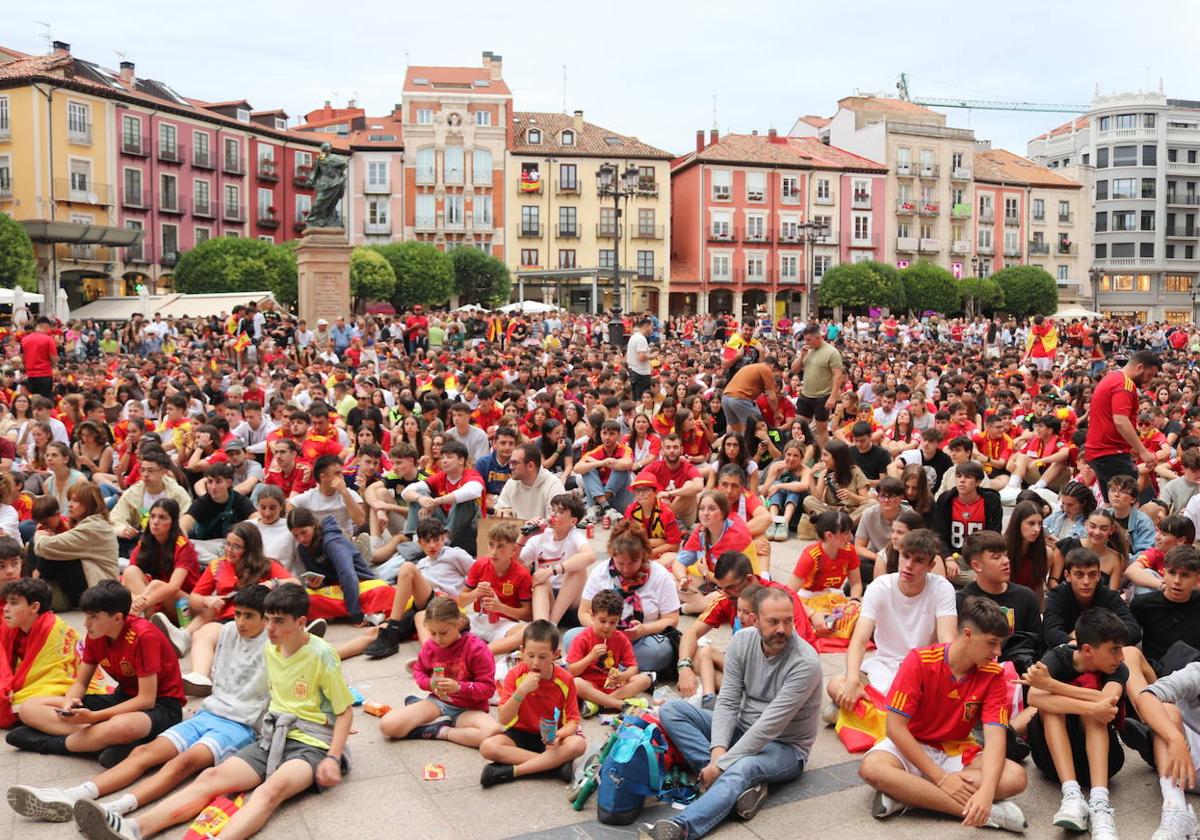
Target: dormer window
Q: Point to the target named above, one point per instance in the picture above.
(534, 136)
(568, 138)
(281, 123)
(243, 115)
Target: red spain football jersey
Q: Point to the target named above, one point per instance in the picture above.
(938, 706)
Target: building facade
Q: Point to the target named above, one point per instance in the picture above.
(740, 204)
(568, 240)
(455, 122)
(1144, 150)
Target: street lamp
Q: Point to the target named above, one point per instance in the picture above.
(974, 265)
(617, 185)
(811, 233)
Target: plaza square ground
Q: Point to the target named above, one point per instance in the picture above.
(385, 795)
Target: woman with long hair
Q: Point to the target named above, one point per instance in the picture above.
(643, 441)
(164, 564)
(93, 453)
(902, 434)
(910, 520)
(61, 474)
(1065, 527)
(732, 449)
(917, 493)
(557, 456)
(1110, 541)
(340, 582)
(431, 462)
(1026, 540)
(837, 483)
(410, 433)
(84, 554)
(716, 531)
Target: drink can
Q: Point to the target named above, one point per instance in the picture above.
(439, 672)
(181, 611)
(605, 523)
(591, 531)
(547, 728)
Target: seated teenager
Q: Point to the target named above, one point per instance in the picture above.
(967, 508)
(1082, 590)
(929, 759)
(310, 701)
(1169, 708)
(679, 482)
(340, 583)
(453, 495)
(149, 696)
(38, 649)
(211, 516)
(1167, 617)
(331, 497)
(82, 556)
(986, 554)
(558, 557)
(223, 725)
(717, 530)
(823, 569)
(1145, 572)
(163, 566)
(605, 472)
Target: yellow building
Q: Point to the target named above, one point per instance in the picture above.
(565, 238)
(57, 169)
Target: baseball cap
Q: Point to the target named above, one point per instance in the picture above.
(235, 443)
(321, 322)
(643, 481)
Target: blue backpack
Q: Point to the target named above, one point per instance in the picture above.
(633, 769)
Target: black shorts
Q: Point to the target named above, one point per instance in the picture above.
(167, 711)
(812, 408)
(529, 741)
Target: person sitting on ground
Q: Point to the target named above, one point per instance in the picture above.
(986, 554)
(1082, 590)
(655, 516)
(211, 516)
(278, 542)
(1122, 494)
(1145, 572)
(332, 564)
(149, 695)
(747, 506)
(823, 570)
(38, 649)
(539, 710)
(459, 672)
(81, 556)
(287, 470)
(1044, 460)
(679, 482)
(223, 725)
(453, 495)
(558, 556)
(605, 472)
(717, 531)
(968, 508)
(784, 487)
(310, 702)
(874, 530)
(601, 660)
(837, 483)
(163, 566)
(528, 494)
(331, 497)
(500, 589)
(928, 759)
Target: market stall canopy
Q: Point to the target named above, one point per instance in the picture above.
(6, 297)
(529, 307)
(1076, 312)
(470, 307)
(78, 233)
(169, 306)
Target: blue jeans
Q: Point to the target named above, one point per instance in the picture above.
(690, 729)
(783, 498)
(617, 486)
(461, 523)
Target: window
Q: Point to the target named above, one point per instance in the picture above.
(201, 197)
(483, 118)
(721, 189)
(1124, 188)
(985, 238)
(377, 211)
(1122, 250)
(1102, 156)
(862, 191)
(1086, 158)
(903, 160)
(821, 264)
(645, 220)
(645, 265)
(985, 207)
(1064, 272)
(566, 258)
(534, 136)
(1124, 220)
(1039, 209)
(823, 188)
(568, 177)
(1149, 155)
(131, 134)
(531, 220)
(789, 266)
(452, 164)
(1101, 222)
(756, 267)
(927, 161)
(1105, 123)
(233, 155)
(647, 182)
(167, 141)
(1172, 155)
(956, 160)
(608, 221)
(1146, 249)
(904, 230)
(243, 115)
(133, 188)
(1177, 283)
(426, 209)
(426, 173)
(529, 257)
(1124, 156)
(755, 228)
(233, 201)
(1011, 246)
(1010, 208)
(1147, 221)
(454, 210)
(789, 189)
(756, 186)
(170, 241)
(862, 227)
(481, 211)
(481, 165)
(201, 147)
(377, 174)
(81, 177)
(568, 138)
(1101, 251)
(79, 122)
(788, 228)
(607, 258)
(1101, 190)
(5, 126)
(567, 217)
(1148, 187)
(424, 116)
(135, 253)
(266, 200)
(303, 207)
(720, 266)
(1125, 121)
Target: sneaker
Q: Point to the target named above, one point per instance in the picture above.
(750, 801)
(1176, 824)
(98, 823)
(317, 627)
(829, 712)
(1138, 737)
(181, 640)
(431, 730)
(635, 705)
(1006, 816)
(1008, 496)
(613, 515)
(883, 806)
(44, 804)
(588, 709)
(387, 643)
(496, 774)
(196, 685)
(112, 756)
(31, 740)
(566, 772)
(374, 619)
(666, 830)
(592, 517)
(1072, 813)
(1104, 827)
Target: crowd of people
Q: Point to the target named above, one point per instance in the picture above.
(993, 520)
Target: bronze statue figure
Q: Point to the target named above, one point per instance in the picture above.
(328, 178)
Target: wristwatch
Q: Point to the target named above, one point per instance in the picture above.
(683, 663)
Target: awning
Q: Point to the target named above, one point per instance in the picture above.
(118, 308)
(79, 233)
(574, 274)
(205, 306)
(6, 297)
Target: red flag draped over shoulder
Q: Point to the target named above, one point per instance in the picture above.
(48, 667)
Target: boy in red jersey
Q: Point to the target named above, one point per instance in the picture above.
(501, 590)
(823, 569)
(602, 660)
(539, 709)
(453, 494)
(967, 508)
(928, 759)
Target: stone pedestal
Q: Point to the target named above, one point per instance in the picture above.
(323, 275)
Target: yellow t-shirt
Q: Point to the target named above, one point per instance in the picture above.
(308, 684)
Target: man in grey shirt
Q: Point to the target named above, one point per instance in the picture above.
(763, 726)
(472, 437)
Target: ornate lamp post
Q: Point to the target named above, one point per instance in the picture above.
(619, 186)
(811, 233)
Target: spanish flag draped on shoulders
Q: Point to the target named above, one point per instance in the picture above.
(1042, 341)
(39, 663)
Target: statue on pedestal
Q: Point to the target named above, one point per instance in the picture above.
(328, 178)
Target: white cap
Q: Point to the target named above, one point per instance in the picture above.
(321, 322)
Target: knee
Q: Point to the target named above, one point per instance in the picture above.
(869, 770)
(1015, 777)
(490, 748)
(208, 776)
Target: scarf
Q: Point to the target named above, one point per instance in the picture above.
(628, 590)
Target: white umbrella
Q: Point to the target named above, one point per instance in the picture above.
(19, 313)
(529, 307)
(63, 309)
(470, 307)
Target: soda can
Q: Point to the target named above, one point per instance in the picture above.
(591, 531)
(605, 523)
(547, 728)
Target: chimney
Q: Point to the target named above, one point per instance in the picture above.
(772, 134)
(127, 74)
(700, 140)
(397, 110)
(754, 132)
(713, 137)
(496, 64)
(579, 122)
(352, 103)
(61, 48)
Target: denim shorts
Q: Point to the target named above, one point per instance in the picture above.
(222, 736)
(450, 711)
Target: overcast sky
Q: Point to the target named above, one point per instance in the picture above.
(649, 68)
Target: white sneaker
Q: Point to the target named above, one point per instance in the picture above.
(1006, 816)
(45, 804)
(181, 640)
(196, 685)
(592, 517)
(613, 515)
(1008, 496)
(1103, 825)
(883, 806)
(1073, 813)
(829, 712)
(1176, 824)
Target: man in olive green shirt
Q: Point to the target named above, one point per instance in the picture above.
(822, 375)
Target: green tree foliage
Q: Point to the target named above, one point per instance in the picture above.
(225, 264)
(480, 278)
(1028, 290)
(371, 276)
(423, 273)
(18, 265)
(979, 295)
(861, 285)
(929, 288)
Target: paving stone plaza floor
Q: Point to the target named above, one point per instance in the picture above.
(384, 796)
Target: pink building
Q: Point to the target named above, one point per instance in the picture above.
(739, 210)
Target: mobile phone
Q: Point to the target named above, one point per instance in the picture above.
(314, 580)
(65, 712)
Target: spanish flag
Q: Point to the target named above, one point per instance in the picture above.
(47, 668)
(1047, 334)
(241, 342)
(865, 725)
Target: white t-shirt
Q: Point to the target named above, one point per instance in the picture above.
(903, 623)
(659, 595)
(322, 506)
(638, 344)
(279, 544)
(543, 550)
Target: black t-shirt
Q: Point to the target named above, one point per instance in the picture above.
(939, 463)
(1060, 662)
(1165, 622)
(874, 462)
(1021, 608)
(213, 520)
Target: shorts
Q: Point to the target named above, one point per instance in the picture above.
(949, 763)
(256, 757)
(812, 407)
(528, 741)
(222, 737)
(166, 712)
(880, 673)
(490, 631)
(450, 711)
(738, 410)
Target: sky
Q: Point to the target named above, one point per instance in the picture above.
(650, 69)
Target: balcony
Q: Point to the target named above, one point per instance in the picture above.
(906, 244)
(609, 231)
(1184, 199)
(785, 276)
(929, 208)
(861, 201)
(426, 224)
(371, 187)
(789, 237)
(567, 187)
(301, 221)
(758, 236)
(928, 170)
(172, 203)
(135, 146)
(720, 234)
(986, 250)
(1012, 250)
(268, 218)
(1066, 249)
(1183, 232)
(1038, 220)
(372, 228)
(204, 208)
(135, 199)
(960, 247)
(987, 214)
(5, 190)
(203, 159)
(5, 128)
(1183, 168)
(960, 211)
(1066, 218)
(869, 240)
(647, 187)
(79, 133)
(827, 200)
(905, 207)
(1012, 219)
(930, 246)
(169, 259)
(87, 192)
(722, 194)
(649, 274)
(303, 173)
(648, 232)
(234, 165)
(171, 154)
(234, 213)
(136, 255)
(528, 185)
(904, 169)
(566, 231)
(790, 196)
(533, 231)
(960, 173)
(266, 171)
(1038, 249)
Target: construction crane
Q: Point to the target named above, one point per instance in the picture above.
(984, 104)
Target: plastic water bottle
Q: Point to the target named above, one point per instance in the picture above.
(181, 611)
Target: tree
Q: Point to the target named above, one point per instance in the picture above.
(18, 265)
(371, 276)
(979, 295)
(1028, 290)
(226, 264)
(480, 278)
(929, 288)
(861, 285)
(423, 273)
